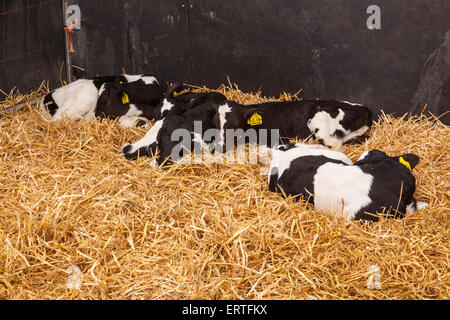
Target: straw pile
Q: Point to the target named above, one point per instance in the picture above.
(69, 202)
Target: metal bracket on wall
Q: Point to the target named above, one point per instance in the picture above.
(189, 6)
(68, 60)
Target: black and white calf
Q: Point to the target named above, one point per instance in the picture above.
(176, 102)
(376, 183)
(130, 103)
(189, 113)
(78, 100)
(332, 122)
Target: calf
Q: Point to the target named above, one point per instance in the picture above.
(79, 99)
(128, 102)
(332, 122)
(177, 112)
(176, 102)
(376, 183)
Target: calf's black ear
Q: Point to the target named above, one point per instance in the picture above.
(174, 90)
(409, 159)
(371, 156)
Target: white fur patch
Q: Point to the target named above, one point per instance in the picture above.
(282, 159)
(355, 134)
(167, 106)
(353, 104)
(341, 189)
(102, 89)
(129, 119)
(198, 139)
(77, 100)
(149, 138)
(223, 110)
(411, 208)
(365, 154)
(421, 205)
(146, 79)
(327, 126)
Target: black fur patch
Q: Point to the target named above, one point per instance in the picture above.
(339, 133)
(299, 178)
(98, 81)
(50, 104)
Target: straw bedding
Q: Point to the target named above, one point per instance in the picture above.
(69, 201)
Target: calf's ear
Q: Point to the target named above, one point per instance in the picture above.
(409, 159)
(174, 90)
(371, 156)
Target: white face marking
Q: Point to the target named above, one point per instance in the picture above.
(223, 110)
(326, 126)
(149, 138)
(282, 159)
(353, 104)
(365, 154)
(146, 79)
(129, 119)
(167, 106)
(76, 100)
(102, 89)
(340, 188)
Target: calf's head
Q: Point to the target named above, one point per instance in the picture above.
(409, 160)
(111, 101)
(170, 100)
(231, 115)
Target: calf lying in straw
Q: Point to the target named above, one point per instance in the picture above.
(125, 97)
(183, 112)
(332, 122)
(376, 184)
(131, 103)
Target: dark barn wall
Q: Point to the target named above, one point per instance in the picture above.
(325, 48)
(31, 44)
(135, 36)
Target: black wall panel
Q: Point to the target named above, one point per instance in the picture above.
(31, 44)
(325, 48)
(137, 36)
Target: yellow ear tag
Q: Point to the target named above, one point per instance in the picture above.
(255, 120)
(405, 163)
(193, 99)
(125, 98)
(176, 94)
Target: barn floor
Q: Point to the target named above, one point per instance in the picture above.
(69, 201)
